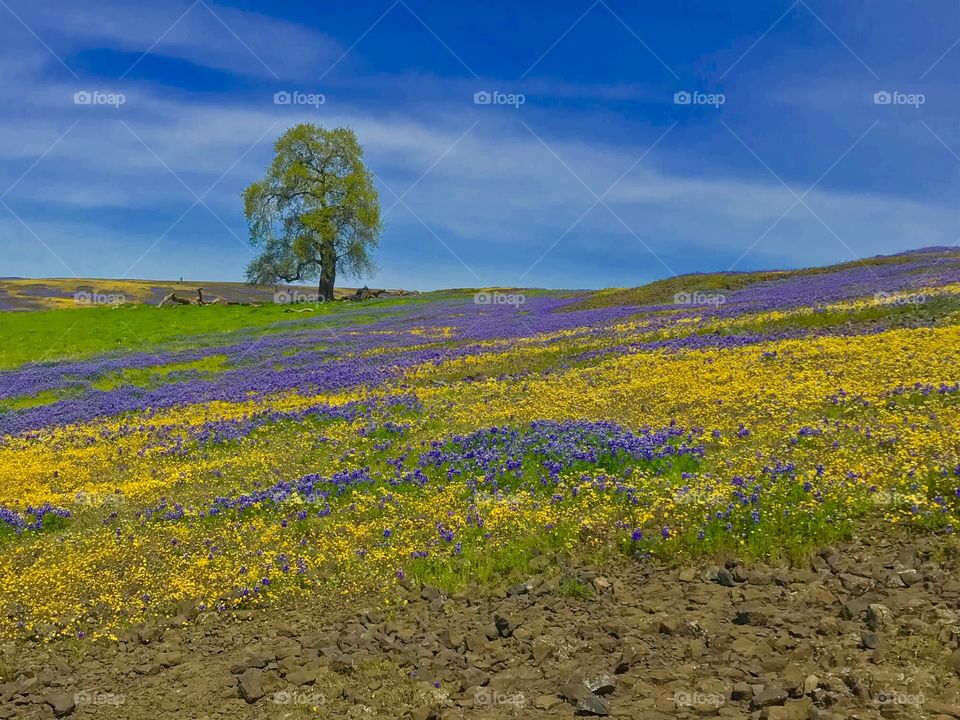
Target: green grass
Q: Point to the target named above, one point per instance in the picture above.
(158, 374)
(81, 333)
(45, 397)
(480, 565)
(571, 587)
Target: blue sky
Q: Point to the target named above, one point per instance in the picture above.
(599, 178)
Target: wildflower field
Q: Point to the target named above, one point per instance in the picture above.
(447, 437)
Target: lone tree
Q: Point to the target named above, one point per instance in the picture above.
(315, 211)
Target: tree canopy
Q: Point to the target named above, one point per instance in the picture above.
(315, 212)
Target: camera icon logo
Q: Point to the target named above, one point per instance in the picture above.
(882, 97)
(482, 97)
(82, 97)
(682, 97)
(282, 98)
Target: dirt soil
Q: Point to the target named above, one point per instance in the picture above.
(868, 629)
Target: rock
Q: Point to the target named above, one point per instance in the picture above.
(476, 643)
(792, 678)
(542, 649)
(670, 626)
(855, 584)
(343, 664)
(600, 583)
(769, 695)
(301, 677)
(810, 684)
(260, 660)
(355, 696)
(753, 613)
(894, 580)
(783, 579)
(852, 609)
(817, 713)
(725, 578)
(584, 701)
(545, 702)
(741, 691)
(792, 710)
(878, 615)
(169, 659)
(909, 577)
(62, 703)
(505, 625)
(472, 677)
(629, 656)
(520, 588)
(953, 663)
(869, 640)
(450, 639)
(602, 684)
(250, 688)
(426, 712)
(592, 705)
(430, 593)
(908, 557)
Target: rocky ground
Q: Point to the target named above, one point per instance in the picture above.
(864, 630)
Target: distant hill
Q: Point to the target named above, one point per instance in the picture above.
(663, 291)
(50, 293)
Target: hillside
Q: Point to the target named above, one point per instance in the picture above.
(731, 495)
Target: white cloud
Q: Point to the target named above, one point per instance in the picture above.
(202, 33)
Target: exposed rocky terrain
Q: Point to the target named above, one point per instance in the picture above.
(864, 630)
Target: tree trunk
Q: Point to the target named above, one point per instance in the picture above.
(328, 273)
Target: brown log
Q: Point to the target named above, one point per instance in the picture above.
(173, 300)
